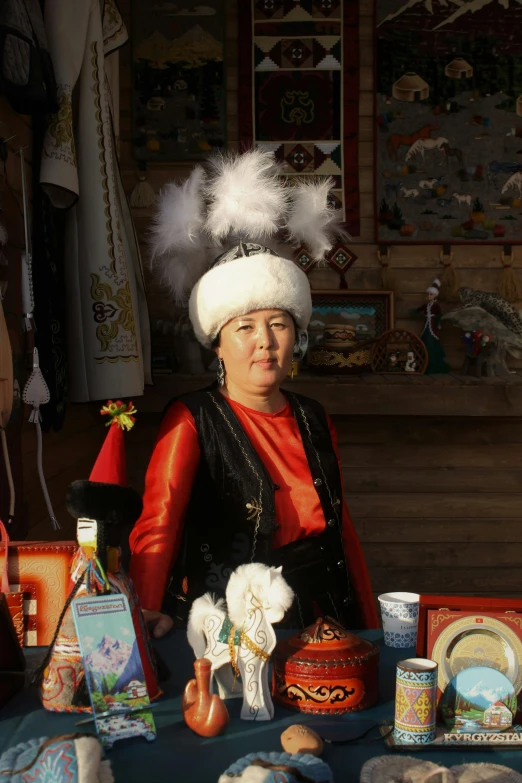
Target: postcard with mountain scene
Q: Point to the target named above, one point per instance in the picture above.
(113, 668)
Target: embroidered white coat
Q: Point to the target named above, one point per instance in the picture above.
(108, 326)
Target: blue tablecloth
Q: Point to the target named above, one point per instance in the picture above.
(179, 755)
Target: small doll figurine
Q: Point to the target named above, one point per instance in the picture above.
(411, 364)
(393, 364)
(430, 335)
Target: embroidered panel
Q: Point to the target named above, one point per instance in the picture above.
(299, 91)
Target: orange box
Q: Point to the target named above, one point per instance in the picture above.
(40, 570)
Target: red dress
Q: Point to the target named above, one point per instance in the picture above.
(156, 536)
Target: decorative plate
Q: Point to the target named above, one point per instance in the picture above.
(478, 640)
(479, 699)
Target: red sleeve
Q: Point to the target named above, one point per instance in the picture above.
(156, 536)
(355, 557)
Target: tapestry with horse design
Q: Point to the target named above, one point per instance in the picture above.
(448, 136)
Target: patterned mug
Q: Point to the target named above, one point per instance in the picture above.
(415, 701)
(400, 617)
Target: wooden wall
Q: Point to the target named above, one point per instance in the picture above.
(437, 502)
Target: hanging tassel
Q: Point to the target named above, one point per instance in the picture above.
(95, 578)
(143, 194)
(388, 277)
(36, 393)
(27, 291)
(510, 287)
(27, 260)
(449, 279)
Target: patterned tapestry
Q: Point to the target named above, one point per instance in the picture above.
(448, 143)
(299, 90)
(178, 82)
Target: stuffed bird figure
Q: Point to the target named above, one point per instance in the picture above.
(495, 317)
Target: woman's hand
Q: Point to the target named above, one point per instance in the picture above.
(159, 624)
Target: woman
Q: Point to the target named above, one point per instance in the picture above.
(242, 471)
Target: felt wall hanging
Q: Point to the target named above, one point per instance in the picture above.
(299, 90)
(178, 81)
(448, 135)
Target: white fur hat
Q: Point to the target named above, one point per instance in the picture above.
(257, 282)
(434, 288)
(230, 213)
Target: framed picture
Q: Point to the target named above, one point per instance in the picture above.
(178, 80)
(460, 632)
(344, 326)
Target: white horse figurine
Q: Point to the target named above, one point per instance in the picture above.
(257, 596)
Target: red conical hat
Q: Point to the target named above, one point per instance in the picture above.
(106, 496)
(110, 465)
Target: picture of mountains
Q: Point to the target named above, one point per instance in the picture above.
(113, 668)
(479, 699)
(109, 656)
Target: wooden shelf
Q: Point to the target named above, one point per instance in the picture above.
(376, 395)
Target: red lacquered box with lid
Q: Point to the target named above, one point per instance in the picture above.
(325, 670)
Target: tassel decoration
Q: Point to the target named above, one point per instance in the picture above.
(27, 259)
(143, 194)
(449, 279)
(510, 287)
(36, 393)
(388, 277)
(95, 577)
(121, 413)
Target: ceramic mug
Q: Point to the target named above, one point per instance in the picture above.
(400, 617)
(415, 701)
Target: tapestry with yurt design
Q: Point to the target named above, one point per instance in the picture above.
(448, 141)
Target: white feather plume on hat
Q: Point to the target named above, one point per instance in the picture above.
(180, 252)
(247, 197)
(247, 201)
(311, 220)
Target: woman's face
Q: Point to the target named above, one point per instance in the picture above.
(257, 349)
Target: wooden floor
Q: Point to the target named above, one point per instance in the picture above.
(436, 499)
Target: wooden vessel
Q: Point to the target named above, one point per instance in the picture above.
(325, 670)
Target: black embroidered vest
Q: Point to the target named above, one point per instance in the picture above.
(231, 515)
